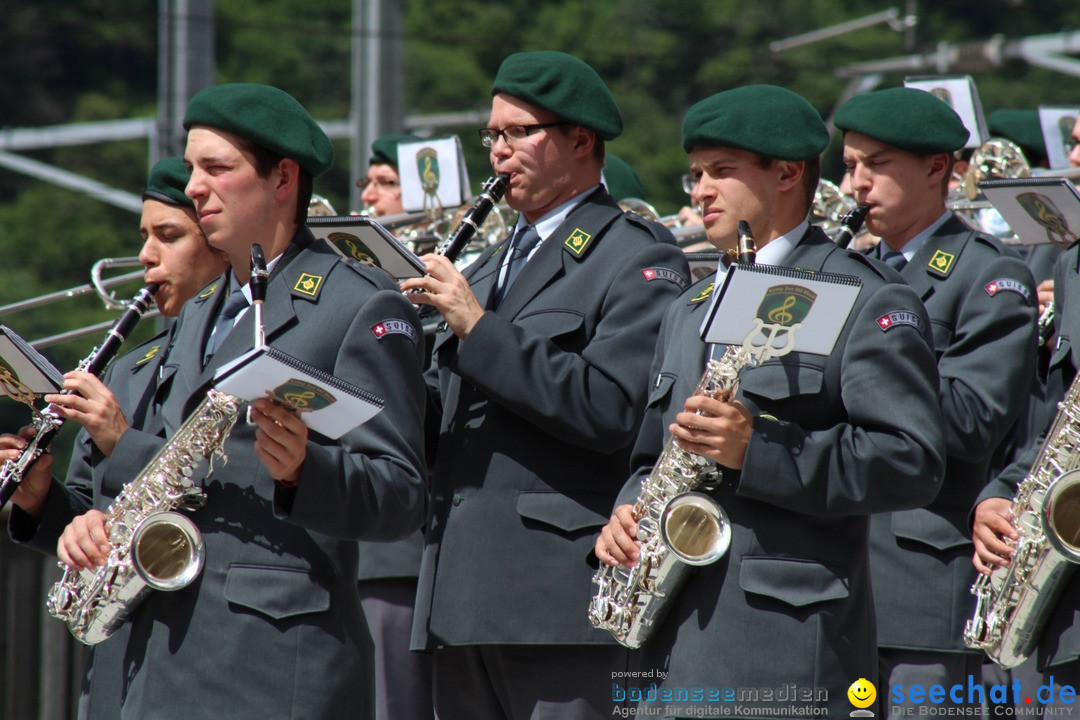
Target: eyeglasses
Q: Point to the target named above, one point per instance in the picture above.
(488, 136)
(379, 183)
(688, 183)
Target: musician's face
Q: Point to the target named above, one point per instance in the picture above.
(235, 206)
(541, 165)
(1074, 151)
(733, 185)
(176, 255)
(382, 190)
(903, 190)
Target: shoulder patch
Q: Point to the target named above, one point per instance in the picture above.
(1007, 284)
(208, 291)
(393, 326)
(308, 285)
(899, 317)
(705, 293)
(941, 263)
(578, 241)
(150, 355)
(663, 273)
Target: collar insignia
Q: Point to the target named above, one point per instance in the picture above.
(941, 263)
(578, 241)
(308, 284)
(150, 354)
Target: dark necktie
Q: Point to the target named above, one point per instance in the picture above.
(895, 260)
(523, 243)
(226, 319)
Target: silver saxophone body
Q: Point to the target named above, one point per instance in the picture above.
(153, 546)
(1013, 604)
(678, 528)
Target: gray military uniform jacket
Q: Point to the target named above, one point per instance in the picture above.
(539, 406)
(834, 439)
(272, 628)
(1060, 641)
(982, 306)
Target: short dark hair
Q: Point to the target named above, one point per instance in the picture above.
(811, 177)
(265, 162)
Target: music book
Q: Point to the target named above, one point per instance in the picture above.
(326, 404)
(959, 93)
(780, 309)
(368, 242)
(432, 174)
(1039, 210)
(26, 366)
(1056, 123)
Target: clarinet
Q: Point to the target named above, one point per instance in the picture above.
(456, 242)
(48, 422)
(850, 224)
(257, 283)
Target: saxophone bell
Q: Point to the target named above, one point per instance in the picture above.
(1060, 515)
(695, 528)
(167, 551)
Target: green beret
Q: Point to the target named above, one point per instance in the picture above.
(561, 84)
(764, 119)
(905, 118)
(621, 180)
(168, 178)
(384, 149)
(266, 116)
(1020, 126)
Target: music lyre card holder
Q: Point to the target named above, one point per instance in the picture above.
(777, 310)
(1039, 210)
(367, 242)
(326, 404)
(23, 369)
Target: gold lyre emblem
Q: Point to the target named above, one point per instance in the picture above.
(308, 284)
(578, 241)
(941, 262)
(780, 313)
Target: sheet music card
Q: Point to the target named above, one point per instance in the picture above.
(369, 243)
(432, 174)
(959, 93)
(326, 404)
(1057, 124)
(776, 310)
(1039, 210)
(24, 372)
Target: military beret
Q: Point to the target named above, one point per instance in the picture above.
(764, 119)
(621, 180)
(905, 118)
(266, 116)
(168, 178)
(384, 149)
(1021, 127)
(561, 84)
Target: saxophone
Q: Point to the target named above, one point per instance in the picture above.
(679, 528)
(1013, 604)
(153, 547)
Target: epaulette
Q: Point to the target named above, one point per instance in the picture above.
(864, 260)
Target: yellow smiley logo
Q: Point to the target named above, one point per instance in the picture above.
(862, 693)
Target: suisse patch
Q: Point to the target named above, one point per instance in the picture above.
(1002, 284)
(150, 355)
(394, 327)
(308, 284)
(663, 273)
(899, 317)
(941, 262)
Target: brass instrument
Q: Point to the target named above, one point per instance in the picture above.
(319, 206)
(678, 527)
(995, 158)
(829, 207)
(1013, 604)
(48, 422)
(97, 285)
